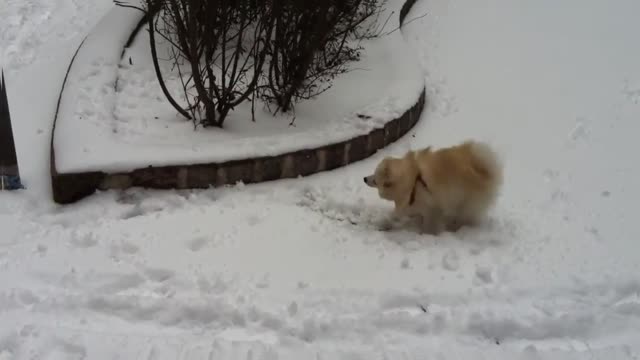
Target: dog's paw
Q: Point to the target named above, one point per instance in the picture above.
(453, 226)
(385, 225)
(431, 226)
(427, 230)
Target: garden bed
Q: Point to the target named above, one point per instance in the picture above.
(114, 128)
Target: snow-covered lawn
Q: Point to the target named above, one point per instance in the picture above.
(297, 269)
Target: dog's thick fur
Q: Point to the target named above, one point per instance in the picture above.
(446, 188)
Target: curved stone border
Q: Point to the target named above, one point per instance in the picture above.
(71, 187)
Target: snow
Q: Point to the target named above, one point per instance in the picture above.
(133, 126)
(300, 268)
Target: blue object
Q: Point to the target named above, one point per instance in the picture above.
(8, 182)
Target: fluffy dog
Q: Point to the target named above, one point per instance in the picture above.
(445, 188)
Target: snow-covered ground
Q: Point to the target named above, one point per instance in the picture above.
(297, 269)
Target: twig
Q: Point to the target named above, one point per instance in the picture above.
(406, 22)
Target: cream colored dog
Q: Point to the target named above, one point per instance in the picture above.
(445, 188)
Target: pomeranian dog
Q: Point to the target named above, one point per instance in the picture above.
(446, 188)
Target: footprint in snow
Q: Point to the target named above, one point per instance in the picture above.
(122, 283)
(84, 240)
(197, 244)
(127, 247)
(450, 261)
(159, 274)
(483, 275)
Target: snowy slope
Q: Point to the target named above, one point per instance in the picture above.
(298, 269)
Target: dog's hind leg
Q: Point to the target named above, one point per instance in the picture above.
(453, 224)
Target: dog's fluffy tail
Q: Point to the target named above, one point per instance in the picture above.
(488, 161)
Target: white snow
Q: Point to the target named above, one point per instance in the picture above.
(134, 126)
(299, 269)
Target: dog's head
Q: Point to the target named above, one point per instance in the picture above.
(394, 178)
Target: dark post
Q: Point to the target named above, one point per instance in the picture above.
(9, 174)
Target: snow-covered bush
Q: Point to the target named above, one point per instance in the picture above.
(280, 51)
(313, 42)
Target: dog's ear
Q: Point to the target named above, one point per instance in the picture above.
(404, 196)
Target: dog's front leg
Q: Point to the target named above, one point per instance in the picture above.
(389, 222)
(453, 224)
(431, 222)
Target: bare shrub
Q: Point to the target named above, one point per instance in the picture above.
(230, 51)
(314, 41)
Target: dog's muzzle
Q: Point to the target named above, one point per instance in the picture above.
(370, 181)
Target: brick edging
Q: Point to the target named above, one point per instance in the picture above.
(71, 187)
